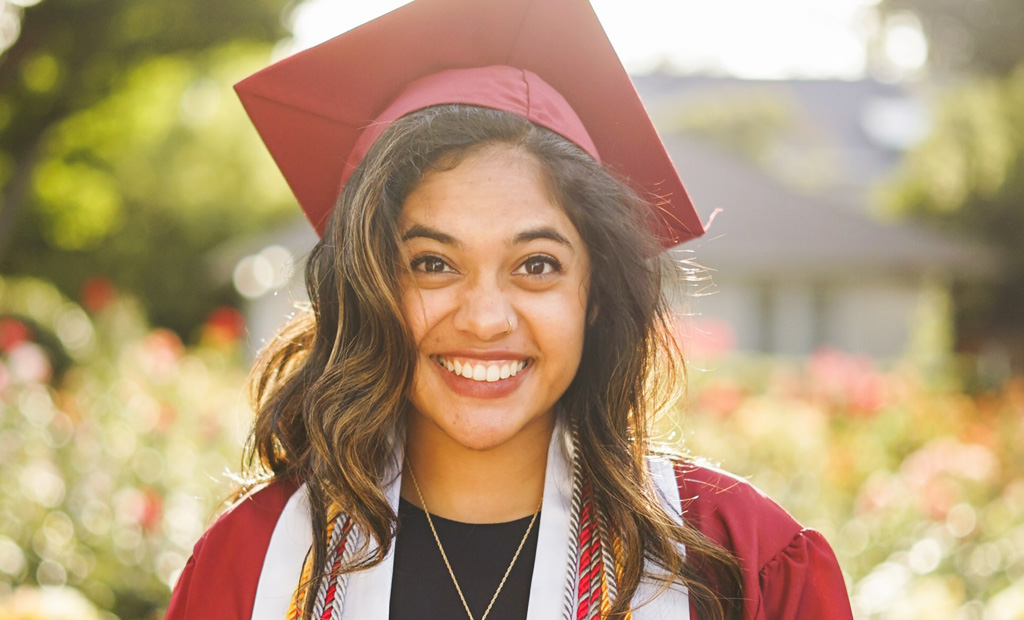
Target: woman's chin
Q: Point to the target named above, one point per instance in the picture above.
(484, 435)
(483, 438)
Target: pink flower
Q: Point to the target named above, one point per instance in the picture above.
(161, 350)
(848, 381)
(704, 337)
(29, 363)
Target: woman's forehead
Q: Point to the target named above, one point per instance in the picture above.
(497, 192)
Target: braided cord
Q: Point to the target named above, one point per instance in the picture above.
(335, 534)
(608, 577)
(576, 509)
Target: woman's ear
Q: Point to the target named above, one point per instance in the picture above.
(592, 316)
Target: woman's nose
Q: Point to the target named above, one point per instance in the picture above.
(484, 311)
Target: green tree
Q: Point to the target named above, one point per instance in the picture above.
(122, 151)
(968, 177)
(969, 36)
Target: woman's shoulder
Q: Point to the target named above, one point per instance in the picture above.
(789, 571)
(250, 518)
(226, 562)
(732, 511)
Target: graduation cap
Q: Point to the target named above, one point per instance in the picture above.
(546, 60)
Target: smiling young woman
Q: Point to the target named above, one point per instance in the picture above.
(497, 278)
(495, 297)
(460, 426)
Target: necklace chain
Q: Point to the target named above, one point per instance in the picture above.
(444, 556)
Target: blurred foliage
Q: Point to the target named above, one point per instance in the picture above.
(116, 437)
(124, 153)
(969, 36)
(968, 178)
(114, 468)
(71, 54)
(919, 487)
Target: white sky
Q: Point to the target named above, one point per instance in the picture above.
(746, 38)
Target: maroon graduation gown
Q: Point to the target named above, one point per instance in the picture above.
(789, 572)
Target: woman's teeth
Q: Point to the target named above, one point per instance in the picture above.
(482, 372)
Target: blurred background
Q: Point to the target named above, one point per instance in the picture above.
(854, 318)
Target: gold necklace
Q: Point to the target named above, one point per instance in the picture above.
(444, 556)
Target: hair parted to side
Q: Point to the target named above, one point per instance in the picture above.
(330, 391)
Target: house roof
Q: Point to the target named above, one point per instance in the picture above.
(796, 213)
(846, 114)
(764, 229)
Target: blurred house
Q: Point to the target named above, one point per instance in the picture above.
(797, 257)
(798, 253)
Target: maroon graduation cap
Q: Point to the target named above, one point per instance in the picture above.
(547, 60)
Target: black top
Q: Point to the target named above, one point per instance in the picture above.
(422, 589)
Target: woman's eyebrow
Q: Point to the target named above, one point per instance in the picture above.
(419, 230)
(544, 232)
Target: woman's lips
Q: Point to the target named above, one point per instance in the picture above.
(481, 378)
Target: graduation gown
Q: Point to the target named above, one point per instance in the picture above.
(247, 564)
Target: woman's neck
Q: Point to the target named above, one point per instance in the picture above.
(501, 484)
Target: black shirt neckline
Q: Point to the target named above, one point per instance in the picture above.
(479, 553)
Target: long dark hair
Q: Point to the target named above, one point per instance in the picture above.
(330, 391)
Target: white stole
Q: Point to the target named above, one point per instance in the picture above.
(368, 595)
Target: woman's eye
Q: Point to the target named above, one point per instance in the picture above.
(539, 266)
(430, 264)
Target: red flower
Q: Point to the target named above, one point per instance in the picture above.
(97, 293)
(12, 333)
(152, 510)
(224, 326)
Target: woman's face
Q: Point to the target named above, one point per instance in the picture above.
(496, 295)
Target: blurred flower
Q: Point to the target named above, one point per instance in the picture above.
(947, 456)
(704, 338)
(152, 511)
(161, 350)
(721, 397)
(166, 418)
(12, 333)
(88, 466)
(224, 326)
(848, 381)
(878, 493)
(97, 293)
(28, 363)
